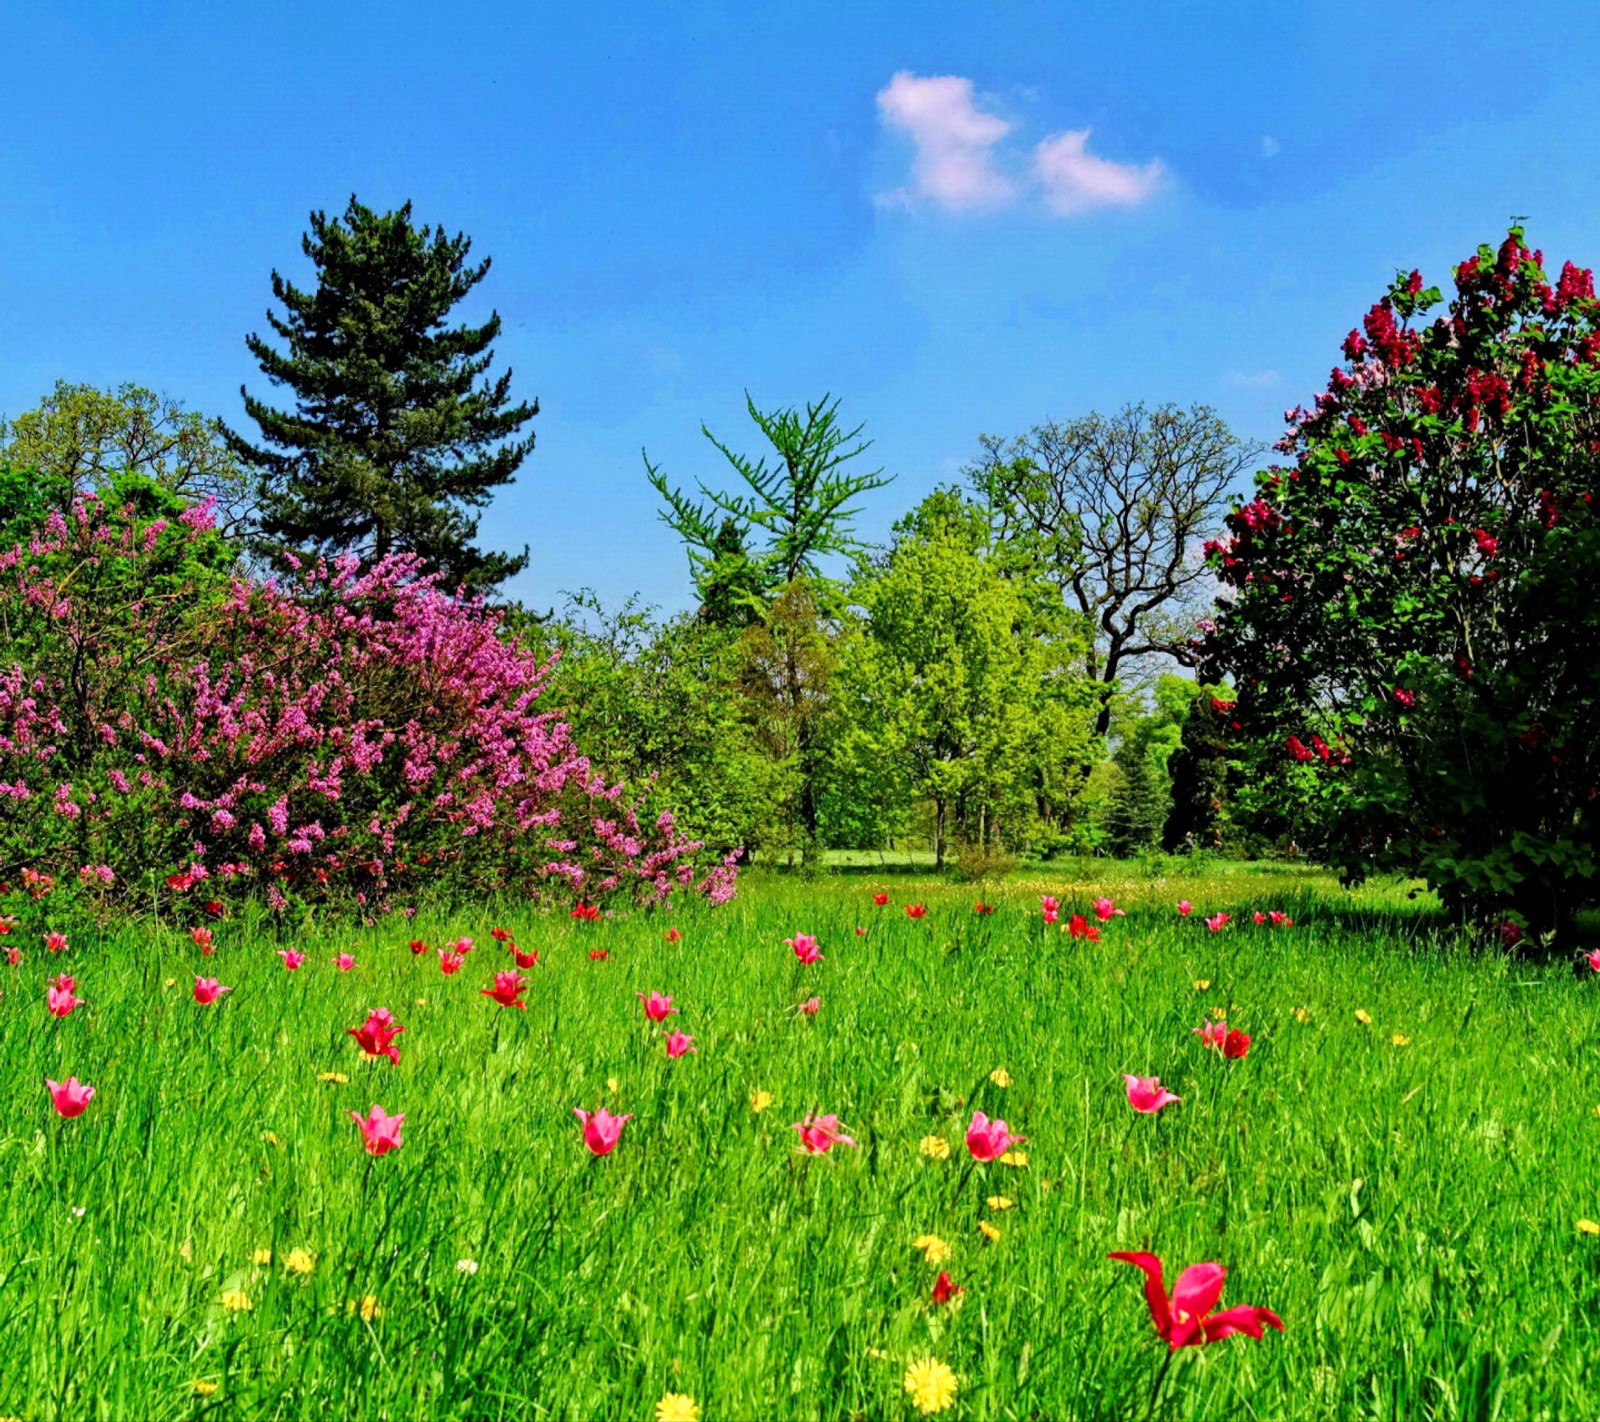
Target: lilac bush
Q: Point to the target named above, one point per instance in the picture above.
(349, 735)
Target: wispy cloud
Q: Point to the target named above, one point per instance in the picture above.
(1253, 379)
(1074, 180)
(952, 166)
(958, 162)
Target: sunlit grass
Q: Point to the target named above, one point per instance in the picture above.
(1410, 1208)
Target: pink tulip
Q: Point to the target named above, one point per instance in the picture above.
(1218, 923)
(71, 1097)
(1258, 918)
(507, 990)
(989, 1140)
(805, 947)
(1212, 1034)
(1185, 1320)
(463, 946)
(811, 1006)
(1185, 908)
(58, 997)
(1593, 960)
(656, 1007)
(56, 942)
(344, 962)
(204, 940)
(1106, 909)
(1051, 907)
(380, 1132)
(208, 990)
(602, 1130)
(1147, 1095)
(292, 958)
(376, 1035)
(450, 962)
(679, 1043)
(1280, 919)
(820, 1134)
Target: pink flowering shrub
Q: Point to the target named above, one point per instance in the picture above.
(353, 735)
(1410, 614)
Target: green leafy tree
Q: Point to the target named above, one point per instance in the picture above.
(392, 441)
(961, 685)
(1197, 817)
(79, 438)
(746, 547)
(1409, 613)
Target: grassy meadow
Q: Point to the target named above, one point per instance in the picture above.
(1398, 1167)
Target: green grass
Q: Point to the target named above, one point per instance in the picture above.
(1409, 1210)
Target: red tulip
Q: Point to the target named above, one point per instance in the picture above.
(597, 955)
(944, 1288)
(525, 960)
(1236, 1044)
(1080, 927)
(508, 989)
(602, 1130)
(380, 1132)
(1185, 1320)
(203, 941)
(1212, 1034)
(500, 935)
(915, 911)
(982, 908)
(880, 899)
(450, 962)
(656, 1007)
(55, 942)
(418, 946)
(588, 913)
(70, 1097)
(376, 1035)
(208, 990)
(673, 935)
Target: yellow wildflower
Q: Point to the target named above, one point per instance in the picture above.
(261, 1256)
(934, 1249)
(269, 1138)
(932, 1385)
(1363, 1017)
(170, 982)
(368, 1307)
(1000, 1202)
(297, 1261)
(1588, 1227)
(760, 1100)
(338, 1078)
(186, 1250)
(422, 1002)
(237, 1301)
(1000, 1077)
(203, 1388)
(1016, 1159)
(934, 1147)
(613, 1085)
(677, 1407)
(1399, 1041)
(1201, 984)
(1302, 1014)
(989, 1231)
(1220, 1013)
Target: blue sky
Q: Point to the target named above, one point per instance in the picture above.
(684, 202)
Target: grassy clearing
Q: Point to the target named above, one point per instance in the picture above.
(1409, 1208)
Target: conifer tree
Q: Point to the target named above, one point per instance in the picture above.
(1134, 817)
(392, 442)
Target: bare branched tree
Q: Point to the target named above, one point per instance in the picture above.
(1116, 508)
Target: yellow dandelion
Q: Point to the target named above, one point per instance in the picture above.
(988, 1231)
(613, 1085)
(1588, 1227)
(1000, 1077)
(1016, 1159)
(934, 1249)
(934, 1147)
(269, 1138)
(1302, 1014)
(338, 1078)
(297, 1261)
(760, 1100)
(1000, 1202)
(261, 1256)
(932, 1385)
(677, 1407)
(875, 1352)
(1202, 984)
(170, 982)
(203, 1388)
(1597, 1110)
(237, 1301)
(368, 1307)
(1399, 1041)
(1220, 1013)
(1363, 1017)
(422, 1002)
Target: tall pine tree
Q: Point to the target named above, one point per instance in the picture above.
(392, 442)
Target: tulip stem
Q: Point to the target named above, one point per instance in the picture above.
(1161, 1377)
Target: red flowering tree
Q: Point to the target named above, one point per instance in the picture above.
(1412, 605)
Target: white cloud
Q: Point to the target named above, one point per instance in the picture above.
(1253, 379)
(1075, 181)
(1270, 147)
(957, 163)
(953, 164)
